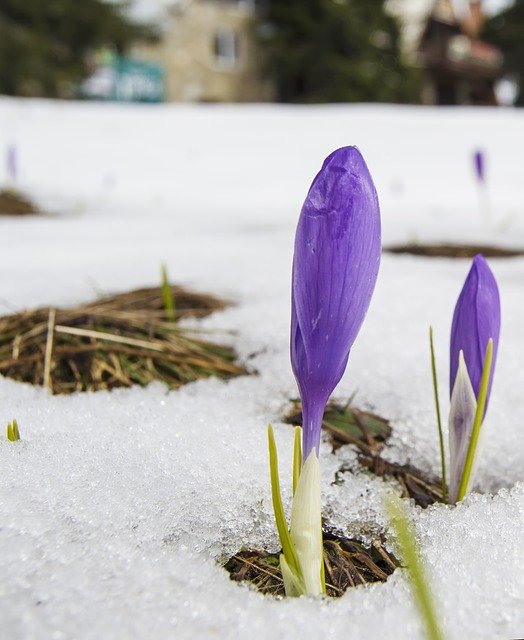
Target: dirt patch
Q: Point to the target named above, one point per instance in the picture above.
(14, 203)
(454, 250)
(117, 341)
(347, 563)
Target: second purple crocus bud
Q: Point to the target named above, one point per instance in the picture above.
(335, 267)
(476, 320)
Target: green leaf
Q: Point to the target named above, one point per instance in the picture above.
(297, 457)
(292, 583)
(13, 433)
(477, 422)
(419, 583)
(439, 421)
(280, 518)
(167, 296)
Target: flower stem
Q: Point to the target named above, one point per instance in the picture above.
(477, 422)
(439, 421)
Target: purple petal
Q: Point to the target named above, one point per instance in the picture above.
(335, 266)
(475, 321)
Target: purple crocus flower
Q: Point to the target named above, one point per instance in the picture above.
(476, 319)
(335, 266)
(480, 166)
(11, 163)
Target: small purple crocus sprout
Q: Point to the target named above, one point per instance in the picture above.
(476, 322)
(480, 166)
(479, 163)
(335, 267)
(11, 163)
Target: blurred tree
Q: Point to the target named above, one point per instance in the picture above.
(44, 45)
(506, 30)
(336, 51)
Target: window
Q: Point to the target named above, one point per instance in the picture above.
(226, 48)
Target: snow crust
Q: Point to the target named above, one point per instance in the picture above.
(115, 507)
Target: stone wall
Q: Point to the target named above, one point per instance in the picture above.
(209, 53)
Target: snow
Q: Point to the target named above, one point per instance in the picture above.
(115, 507)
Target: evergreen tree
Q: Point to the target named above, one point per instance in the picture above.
(506, 30)
(44, 44)
(336, 51)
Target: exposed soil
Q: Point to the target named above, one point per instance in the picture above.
(454, 250)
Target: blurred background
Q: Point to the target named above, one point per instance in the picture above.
(167, 119)
(431, 52)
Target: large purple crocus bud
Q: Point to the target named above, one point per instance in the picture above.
(476, 320)
(335, 266)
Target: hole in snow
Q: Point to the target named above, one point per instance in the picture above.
(347, 563)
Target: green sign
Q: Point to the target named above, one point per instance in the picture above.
(125, 80)
(137, 81)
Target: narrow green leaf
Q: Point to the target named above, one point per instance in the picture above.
(439, 421)
(297, 457)
(280, 518)
(419, 584)
(13, 433)
(167, 297)
(477, 422)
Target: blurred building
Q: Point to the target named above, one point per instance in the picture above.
(208, 51)
(457, 67)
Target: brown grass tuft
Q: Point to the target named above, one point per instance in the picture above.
(116, 341)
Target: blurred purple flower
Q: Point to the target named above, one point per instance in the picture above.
(335, 266)
(480, 165)
(476, 319)
(11, 163)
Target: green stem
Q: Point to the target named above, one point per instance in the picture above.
(477, 422)
(439, 421)
(419, 584)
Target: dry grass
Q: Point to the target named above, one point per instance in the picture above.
(14, 203)
(114, 342)
(347, 563)
(454, 250)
